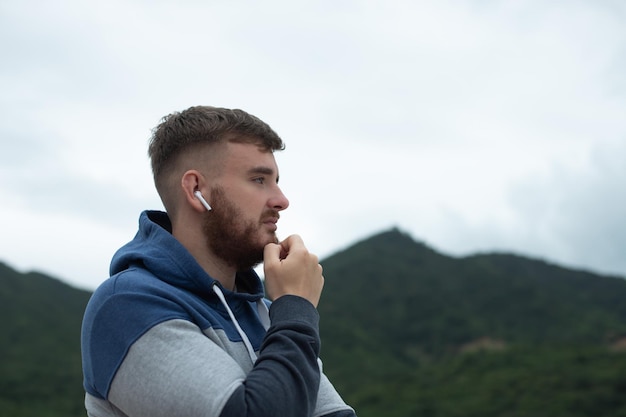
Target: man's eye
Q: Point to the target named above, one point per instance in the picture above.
(260, 180)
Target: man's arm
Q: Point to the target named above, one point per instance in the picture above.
(174, 369)
(286, 377)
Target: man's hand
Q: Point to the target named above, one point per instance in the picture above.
(290, 269)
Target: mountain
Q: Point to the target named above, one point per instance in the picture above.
(40, 370)
(405, 291)
(406, 331)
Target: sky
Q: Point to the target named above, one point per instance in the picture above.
(473, 125)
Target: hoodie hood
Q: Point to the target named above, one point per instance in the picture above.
(156, 250)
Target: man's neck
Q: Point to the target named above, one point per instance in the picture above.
(212, 265)
(218, 271)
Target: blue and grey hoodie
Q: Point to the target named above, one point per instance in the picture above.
(160, 337)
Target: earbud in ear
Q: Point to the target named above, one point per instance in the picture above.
(199, 196)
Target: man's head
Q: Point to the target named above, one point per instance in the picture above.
(227, 155)
(181, 136)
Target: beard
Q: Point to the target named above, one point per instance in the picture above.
(231, 238)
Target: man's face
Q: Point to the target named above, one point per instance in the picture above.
(245, 206)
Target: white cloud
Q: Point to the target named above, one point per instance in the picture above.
(476, 125)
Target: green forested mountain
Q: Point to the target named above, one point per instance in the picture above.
(40, 368)
(406, 331)
(409, 332)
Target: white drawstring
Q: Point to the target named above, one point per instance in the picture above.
(263, 315)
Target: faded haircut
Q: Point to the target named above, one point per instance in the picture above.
(202, 125)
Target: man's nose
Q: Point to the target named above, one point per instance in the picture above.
(279, 201)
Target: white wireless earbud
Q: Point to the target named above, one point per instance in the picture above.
(198, 194)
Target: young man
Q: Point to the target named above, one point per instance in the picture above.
(182, 328)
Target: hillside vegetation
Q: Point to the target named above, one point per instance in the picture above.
(410, 332)
(406, 331)
(40, 369)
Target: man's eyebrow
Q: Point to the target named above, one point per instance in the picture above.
(263, 170)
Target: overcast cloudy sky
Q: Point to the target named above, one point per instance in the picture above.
(473, 125)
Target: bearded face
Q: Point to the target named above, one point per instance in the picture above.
(237, 240)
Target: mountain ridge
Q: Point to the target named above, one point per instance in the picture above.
(474, 285)
(404, 328)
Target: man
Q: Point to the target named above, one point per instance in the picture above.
(181, 328)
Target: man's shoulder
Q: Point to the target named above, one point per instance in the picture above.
(134, 279)
(138, 295)
(133, 282)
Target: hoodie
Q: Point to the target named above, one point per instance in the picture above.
(161, 337)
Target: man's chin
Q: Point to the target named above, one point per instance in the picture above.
(270, 238)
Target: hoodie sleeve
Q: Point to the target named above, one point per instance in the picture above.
(174, 369)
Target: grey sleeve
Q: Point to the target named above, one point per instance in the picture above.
(329, 402)
(174, 369)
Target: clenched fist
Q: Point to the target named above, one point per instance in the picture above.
(290, 269)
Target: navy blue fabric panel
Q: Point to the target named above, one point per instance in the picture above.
(130, 303)
(287, 371)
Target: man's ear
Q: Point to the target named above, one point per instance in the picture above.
(191, 182)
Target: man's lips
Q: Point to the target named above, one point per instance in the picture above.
(270, 216)
(271, 222)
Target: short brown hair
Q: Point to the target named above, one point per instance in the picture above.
(200, 125)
